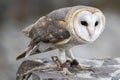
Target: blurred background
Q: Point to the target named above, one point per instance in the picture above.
(17, 14)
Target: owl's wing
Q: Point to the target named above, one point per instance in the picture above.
(51, 28)
(52, 31)
(47, 30)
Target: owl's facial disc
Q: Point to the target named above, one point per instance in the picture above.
(88, 26)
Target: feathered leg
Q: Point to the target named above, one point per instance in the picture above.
(75, 63)
(63, 62)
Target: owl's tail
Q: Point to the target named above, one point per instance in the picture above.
(24, 53)
(28, 51)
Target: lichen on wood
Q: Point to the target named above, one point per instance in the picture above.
(104, 69)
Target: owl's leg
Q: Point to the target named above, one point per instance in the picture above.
(71, 56)
(75, 63)
(63, 61)
(62, 55)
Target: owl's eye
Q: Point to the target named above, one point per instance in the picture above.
(96, 23)
(84, 23)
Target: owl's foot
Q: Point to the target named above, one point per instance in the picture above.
(65, 71)
(61, 66)
(76, 64)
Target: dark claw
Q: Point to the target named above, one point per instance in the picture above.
(74, 63)
(38, 51)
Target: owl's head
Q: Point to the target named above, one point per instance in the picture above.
(86, 23)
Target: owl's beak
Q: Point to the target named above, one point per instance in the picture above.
(90, 32)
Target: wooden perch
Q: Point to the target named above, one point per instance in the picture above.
(104, 69)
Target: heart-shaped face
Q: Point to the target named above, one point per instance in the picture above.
(87, 24)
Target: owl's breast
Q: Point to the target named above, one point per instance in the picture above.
(70, 42)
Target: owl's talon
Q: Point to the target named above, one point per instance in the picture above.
(84, 68)
(65, 72)
(62, 66)
(56, 60)
(75, 63)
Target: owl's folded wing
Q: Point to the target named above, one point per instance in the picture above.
(47, 30)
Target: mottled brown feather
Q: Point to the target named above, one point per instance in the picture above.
(51, 31)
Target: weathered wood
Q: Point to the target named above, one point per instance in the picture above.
(104, 69)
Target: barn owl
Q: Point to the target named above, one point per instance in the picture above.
(63, 29)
